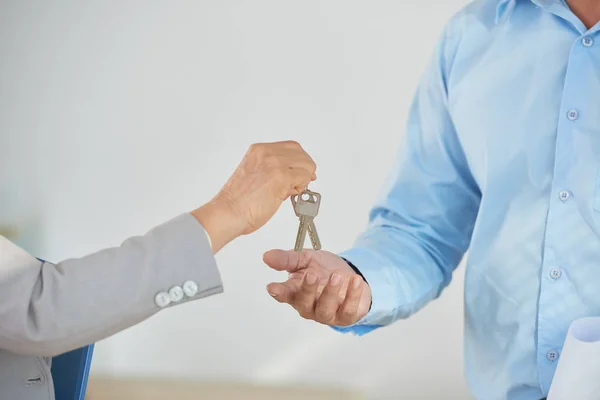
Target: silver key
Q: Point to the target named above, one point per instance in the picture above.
(302, 229)
(312, 234)
(307, 210)
(312, 229)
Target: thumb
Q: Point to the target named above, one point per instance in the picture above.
(287, 260)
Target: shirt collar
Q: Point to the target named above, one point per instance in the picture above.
(506, 7)
(503, 10)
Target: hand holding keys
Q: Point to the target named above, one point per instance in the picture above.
(306, 206)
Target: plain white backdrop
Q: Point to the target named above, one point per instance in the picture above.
(118, 115)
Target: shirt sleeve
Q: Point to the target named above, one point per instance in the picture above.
(421, 226)
(48, 309)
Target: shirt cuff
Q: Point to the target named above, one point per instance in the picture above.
(208, 238)
(384, 297)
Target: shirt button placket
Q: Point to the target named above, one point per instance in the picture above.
(555, 282)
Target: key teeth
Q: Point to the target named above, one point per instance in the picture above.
(301, 236)
(314, 237)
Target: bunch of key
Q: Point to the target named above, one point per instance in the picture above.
(306, 207)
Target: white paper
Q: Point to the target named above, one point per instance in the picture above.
(577, 375)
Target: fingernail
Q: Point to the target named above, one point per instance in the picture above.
(356, 282)
(335, 279)
(273, 294)
(311, 279)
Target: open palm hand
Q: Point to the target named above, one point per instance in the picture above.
(321, 286)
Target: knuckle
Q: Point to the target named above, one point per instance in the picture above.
(293, 143)
(304, 306)
(305, 257)
(325, 314)
(258, 150)
(347, 314)
(305, 314)
(271, 160)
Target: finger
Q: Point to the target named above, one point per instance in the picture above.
(293, 192)
(348, 311)
(328, 303)
(289, 153)
(288, 144)
(296, 191)
(307, 165)
(304, 299)
(280, 292)
(299, 159)
(295, 181)
(303, 162)
(299, 189)
(299, 178)
(287, 260)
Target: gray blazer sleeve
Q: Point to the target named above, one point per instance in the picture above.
(48, 309)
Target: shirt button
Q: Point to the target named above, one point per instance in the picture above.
(162, 299)
(572, 115)
(555, 273)
(587, 41)
(176, 294)
(564, 195)
(552, 355)
(190, 288)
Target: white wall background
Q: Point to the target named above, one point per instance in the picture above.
(115, 116)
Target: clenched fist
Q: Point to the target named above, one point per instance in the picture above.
(268, 174)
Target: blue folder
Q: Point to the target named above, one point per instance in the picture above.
(70, 373)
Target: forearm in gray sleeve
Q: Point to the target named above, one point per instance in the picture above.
(48, 309)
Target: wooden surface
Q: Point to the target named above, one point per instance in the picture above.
(117, 389)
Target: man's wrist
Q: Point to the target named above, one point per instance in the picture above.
(220, 222)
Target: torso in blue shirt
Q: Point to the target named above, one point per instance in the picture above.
(501, 157)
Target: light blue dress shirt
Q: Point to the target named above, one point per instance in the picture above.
(501, 157)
